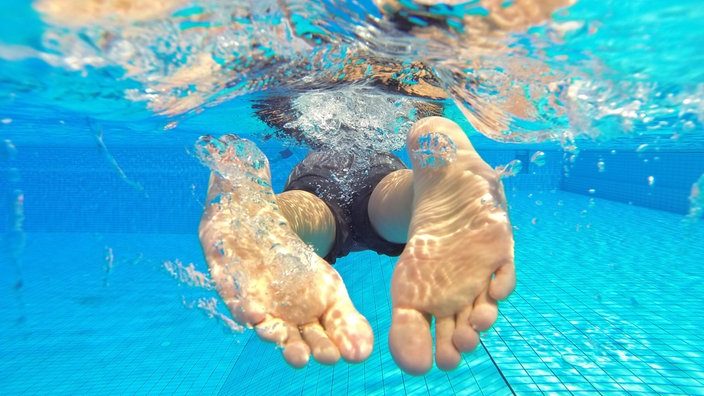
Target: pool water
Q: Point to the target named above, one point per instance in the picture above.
(102, 194)
(601, 306)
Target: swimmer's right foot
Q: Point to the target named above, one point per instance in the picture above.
(458, 261)
(269, 279)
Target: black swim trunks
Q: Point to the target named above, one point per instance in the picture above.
(345, 186)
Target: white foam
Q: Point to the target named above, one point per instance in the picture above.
(354, 119)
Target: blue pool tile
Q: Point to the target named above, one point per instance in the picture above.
(553, 335)
(526, 388)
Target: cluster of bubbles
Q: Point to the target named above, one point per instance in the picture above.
(188, 275)
(559, 77)
(696, 201)
(354, 119)
(14, 238)
(245, 194)
(435, 150)
(237, 160)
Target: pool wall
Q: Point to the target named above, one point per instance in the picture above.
(160, 189)
(655, 179)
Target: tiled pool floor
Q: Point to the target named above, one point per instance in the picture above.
(610, 300)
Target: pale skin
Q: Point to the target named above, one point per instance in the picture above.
(266, 275)
(458, 260)
(450, 210)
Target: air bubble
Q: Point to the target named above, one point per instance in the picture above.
(435, 150)
(9, 151)
(356, 127)
(538, 158)
(511, 169)
(696, 201)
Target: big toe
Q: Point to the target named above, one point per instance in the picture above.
(410, 342)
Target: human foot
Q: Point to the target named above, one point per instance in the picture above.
(459, 257)
(267, 276)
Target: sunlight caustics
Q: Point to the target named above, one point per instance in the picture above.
(486, 60)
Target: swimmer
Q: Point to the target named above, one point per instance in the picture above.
(446, 219)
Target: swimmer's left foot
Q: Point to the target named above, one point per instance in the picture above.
(269, 279)
(459, 257)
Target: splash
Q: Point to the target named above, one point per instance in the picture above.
(523, 72)
(353, 119)
(237, 160)
(435, 150)
(247, 209)
(188, 275)
(183, 56)
(209, 306)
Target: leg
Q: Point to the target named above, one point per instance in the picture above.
(310, 218)
(267, 276)
(458, 260)
(391, 205)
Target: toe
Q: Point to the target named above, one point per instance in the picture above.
(296, 351)
(410, 342)
(350, 331)
(484, 312)
(247, 311)
(504, 281)
(272, 330)
(324, 351)
(465, 337)
(447, 357)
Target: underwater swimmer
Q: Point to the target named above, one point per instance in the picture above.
(446, 218)
(449, 220)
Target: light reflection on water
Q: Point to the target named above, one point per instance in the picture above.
(601, 70)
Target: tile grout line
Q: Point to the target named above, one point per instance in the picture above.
(501, 373)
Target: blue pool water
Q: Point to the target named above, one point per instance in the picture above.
(102, 194)
(603, 305)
